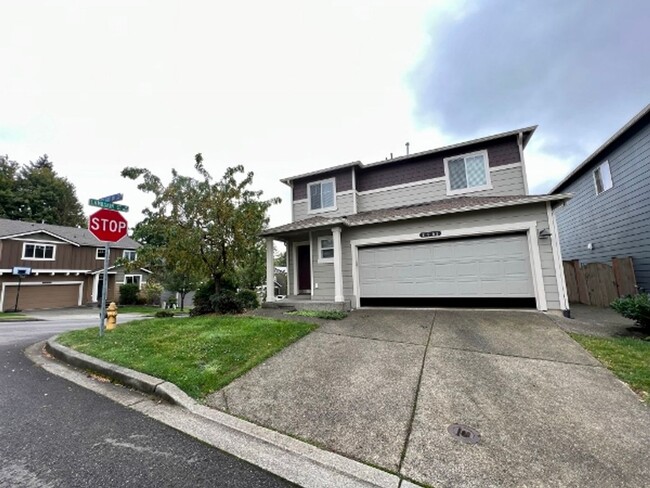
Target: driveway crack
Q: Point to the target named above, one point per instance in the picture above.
(415, 400)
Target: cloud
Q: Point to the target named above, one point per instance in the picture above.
(579, 69)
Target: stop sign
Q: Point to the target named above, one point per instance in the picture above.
(107, 225)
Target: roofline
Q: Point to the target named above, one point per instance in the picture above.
(40, 231)
(379, 220)
(602, 148)
(530, 130)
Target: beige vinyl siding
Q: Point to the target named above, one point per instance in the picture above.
(344, 206)
(505, 181)
(323, 273)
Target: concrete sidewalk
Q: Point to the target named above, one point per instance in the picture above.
(384, 386)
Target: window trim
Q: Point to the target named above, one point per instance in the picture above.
(97, 253)
(611, 179)
(36, 243)
(139, 280)
(130, 250)
(321, 259)
(488, 181)
(322, 209)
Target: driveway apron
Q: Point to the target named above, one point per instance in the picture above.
(383, 386)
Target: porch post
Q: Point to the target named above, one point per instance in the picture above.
(270, 271)
(338, 265)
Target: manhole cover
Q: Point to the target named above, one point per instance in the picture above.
(464, 433)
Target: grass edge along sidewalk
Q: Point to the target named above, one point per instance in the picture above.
(200, 355)
(628, 358)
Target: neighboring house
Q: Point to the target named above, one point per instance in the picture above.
(449, 226)
(66, 266)
(609, 214)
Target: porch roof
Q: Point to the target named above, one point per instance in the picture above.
(438, 207)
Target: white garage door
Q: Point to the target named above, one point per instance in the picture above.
(477, 267)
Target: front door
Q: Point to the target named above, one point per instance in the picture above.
(304, 269)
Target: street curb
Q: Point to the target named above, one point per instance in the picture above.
(282, 455)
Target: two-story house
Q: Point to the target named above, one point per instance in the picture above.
(453, 226)
(608, 215)
(65, 264)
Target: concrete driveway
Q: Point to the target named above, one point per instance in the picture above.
(384, 386)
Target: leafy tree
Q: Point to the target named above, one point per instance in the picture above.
(36, 193)
(281, 259)
(204, 227)
(181, 283)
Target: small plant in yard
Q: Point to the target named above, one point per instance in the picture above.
(129, 294)
(227, 302)
(162, 314)
(320, 314)
(249, 299)
(636, 307)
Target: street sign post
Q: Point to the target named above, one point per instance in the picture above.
(108, 226)
(108, 205)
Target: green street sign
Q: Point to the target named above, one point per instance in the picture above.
(108, 205)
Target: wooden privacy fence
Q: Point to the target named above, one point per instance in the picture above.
(599, 284)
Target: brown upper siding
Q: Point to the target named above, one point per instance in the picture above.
(500, 152)
(67, 257)
(343, 182)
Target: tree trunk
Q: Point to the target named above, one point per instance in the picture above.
(182, 294)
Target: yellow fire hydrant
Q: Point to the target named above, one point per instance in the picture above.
(111, 316)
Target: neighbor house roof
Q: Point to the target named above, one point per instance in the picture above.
(73, 235)
(438, 207)
(622, 132)
(526, 132)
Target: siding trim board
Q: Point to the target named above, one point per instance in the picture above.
(557, 258)
(530, 228)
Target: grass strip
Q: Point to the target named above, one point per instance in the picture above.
(200, 354)
(628, 358)
(320, 314)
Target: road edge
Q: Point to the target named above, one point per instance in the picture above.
(282, 455)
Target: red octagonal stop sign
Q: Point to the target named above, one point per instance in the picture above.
(107, 225)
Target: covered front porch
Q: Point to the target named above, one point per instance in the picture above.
(314, 270)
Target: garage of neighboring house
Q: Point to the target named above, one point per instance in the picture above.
(39, 296)
(483, 271)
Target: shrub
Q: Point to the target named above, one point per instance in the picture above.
(161, 314)
(202, 298)
(151, 291)
(636, 307)
(171, 301)
(249, 299)
(129, 294)
(227, 302)
(201, 310)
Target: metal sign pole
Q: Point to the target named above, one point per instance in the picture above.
(102, 315)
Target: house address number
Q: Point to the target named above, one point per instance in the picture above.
(431, 233)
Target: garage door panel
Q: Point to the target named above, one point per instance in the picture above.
(474, 267)
(37, 297)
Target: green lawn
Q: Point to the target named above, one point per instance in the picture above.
(320, 314)
(9, 316)
(200, 355)
(627, 358)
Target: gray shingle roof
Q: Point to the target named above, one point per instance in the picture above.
(438, 207)
(80, 236)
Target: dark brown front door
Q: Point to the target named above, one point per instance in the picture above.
(304, 270)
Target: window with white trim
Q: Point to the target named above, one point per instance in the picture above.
(326, 250)
(132, 280)
(38, 252)
(322, 195)
(603, 178)
(100, 253)
(466, 173)
(129, 255)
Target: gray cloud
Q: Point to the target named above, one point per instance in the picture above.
(577, 68)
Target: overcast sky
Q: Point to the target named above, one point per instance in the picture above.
(288, 87)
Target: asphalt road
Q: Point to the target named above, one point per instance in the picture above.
(54, 433)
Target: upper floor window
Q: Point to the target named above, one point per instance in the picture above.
(603, 178)
(100, 253)
(130, 255)
(467, 173)
(322, 195)
(34, 251)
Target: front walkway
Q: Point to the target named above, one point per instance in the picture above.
(384, 386)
